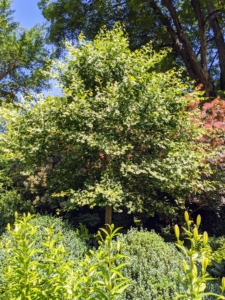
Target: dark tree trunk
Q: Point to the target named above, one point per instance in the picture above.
(108, 214)
(196, 69)
(202, 31)
(219, 40)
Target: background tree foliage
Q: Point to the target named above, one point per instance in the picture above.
(194, 30)
(118, 137)
(211, 203)
(23, 56)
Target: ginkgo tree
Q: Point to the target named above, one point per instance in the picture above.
(118, 137)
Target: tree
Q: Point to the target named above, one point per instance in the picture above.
(118, 137)
(211, 117)
(23, 56)
(194, 29)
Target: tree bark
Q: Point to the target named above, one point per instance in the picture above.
(182, 45)
(108, 215)
(219, 40)
(202, 31)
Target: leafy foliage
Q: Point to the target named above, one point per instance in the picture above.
(118, 136)
(44, 271)
(211, 118)
(195, 283)
(217, 257)
(75, 247)
(217, 269)
(11, 191)
(194, 30)
(72, 241)
(153, 266)
(23, 57)
(27, 277)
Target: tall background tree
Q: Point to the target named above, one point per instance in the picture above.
(194, 30)
(23, 57)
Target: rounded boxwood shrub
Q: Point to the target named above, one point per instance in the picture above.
(72, 242)
(75, 247)
(213, 287)
(154, 266)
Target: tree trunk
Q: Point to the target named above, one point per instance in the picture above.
(202, 31)
(108, 215)
(182, 45)
(219, 40)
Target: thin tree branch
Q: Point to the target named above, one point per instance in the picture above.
(212, 62)
(199, 50)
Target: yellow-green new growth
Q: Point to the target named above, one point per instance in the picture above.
(196, 282)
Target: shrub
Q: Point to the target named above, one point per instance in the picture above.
(153, 266)
(43, 271)
(75, 247)
(218, 248)
(213, 287)
(216, 242)
(33, 269)
(196, 266)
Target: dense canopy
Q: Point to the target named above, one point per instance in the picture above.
(118, 136)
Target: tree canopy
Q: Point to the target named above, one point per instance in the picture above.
(119, 135)
(23, 57)
(194, 30)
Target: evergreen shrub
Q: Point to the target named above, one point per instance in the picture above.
(154, 266)
(215, 251)
(213, 286)
(72, 241)
(42, 271)
(217, 245)
(216, 242)
(74, 246)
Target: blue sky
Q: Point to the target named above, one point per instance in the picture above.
(27, 13)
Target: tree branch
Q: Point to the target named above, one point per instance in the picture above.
(220, 43)
(199, 50)
(183, 46)
(7, 71)
(202, 30)
(211, 14)
(210, 67)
